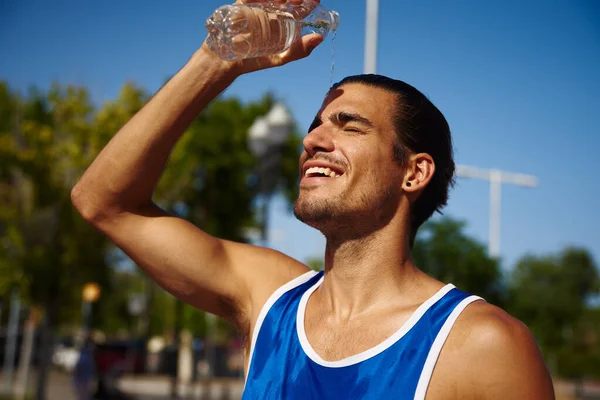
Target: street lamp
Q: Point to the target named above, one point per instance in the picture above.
(90, 294)
(496, 178)
(267, 136)
(266, 139)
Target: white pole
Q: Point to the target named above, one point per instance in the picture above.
(372, 28)
(496, 178)
(495, 196)
(25, 359)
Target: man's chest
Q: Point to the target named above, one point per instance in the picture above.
(334, 341)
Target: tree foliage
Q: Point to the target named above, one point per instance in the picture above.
(552, 295)
(444, 251)
(48, 139)
(48, 251)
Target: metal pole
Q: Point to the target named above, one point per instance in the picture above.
(495, 197)
(264, 228)
(11, 340)
(372, 28)
(496, 178)
(87, 318)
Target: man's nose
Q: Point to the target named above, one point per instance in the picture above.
(319, 139)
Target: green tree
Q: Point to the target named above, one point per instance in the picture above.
(48, 251)
(47, 140)
(551, 295)
(315, 263)
(444, 251)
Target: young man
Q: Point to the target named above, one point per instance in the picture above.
(377, 163)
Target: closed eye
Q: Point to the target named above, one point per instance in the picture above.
(342, 119)
(348, 118)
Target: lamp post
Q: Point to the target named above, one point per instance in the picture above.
(267, 136)
(90, 294)
(496, 179)
(372, 27)
(136, 306)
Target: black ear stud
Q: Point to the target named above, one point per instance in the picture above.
(408, 184)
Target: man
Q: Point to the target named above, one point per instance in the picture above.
(377, 163)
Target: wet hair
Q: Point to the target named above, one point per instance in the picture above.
(420, 128)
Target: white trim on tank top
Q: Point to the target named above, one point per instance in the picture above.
(372, 352)
(267, 306)
(437, 345)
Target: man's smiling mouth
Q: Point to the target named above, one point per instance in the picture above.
(314, 172)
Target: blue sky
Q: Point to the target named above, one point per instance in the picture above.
(518, 82)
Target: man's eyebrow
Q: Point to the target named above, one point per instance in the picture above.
(341, 118)
(344, 117)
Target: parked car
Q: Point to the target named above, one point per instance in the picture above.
(127, 355)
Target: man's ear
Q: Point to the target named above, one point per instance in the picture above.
(419, 171)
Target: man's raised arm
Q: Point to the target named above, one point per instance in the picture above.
(115, 196)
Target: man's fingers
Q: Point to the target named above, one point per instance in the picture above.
(301, 48)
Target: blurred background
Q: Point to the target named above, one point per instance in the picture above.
(518, 82)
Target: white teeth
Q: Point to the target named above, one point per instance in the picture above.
(322, 171)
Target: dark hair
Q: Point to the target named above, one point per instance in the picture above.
(420, 128)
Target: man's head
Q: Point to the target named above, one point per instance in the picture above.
(385, 142)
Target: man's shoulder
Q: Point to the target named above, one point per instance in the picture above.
(484, 327)
(487, 332)
(489, 350)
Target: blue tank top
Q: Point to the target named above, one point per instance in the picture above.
(283, 365)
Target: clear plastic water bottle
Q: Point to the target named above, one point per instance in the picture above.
(241, 31)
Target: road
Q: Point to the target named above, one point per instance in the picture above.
(159, 388)
(142, 388)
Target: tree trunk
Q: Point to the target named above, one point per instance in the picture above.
(10, 348)
(47, 341)
(25, 358)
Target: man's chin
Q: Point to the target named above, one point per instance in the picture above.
(312, 214)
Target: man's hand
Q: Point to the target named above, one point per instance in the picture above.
(299, 49)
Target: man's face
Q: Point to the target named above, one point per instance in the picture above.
(349, 178)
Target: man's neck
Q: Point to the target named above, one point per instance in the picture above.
(366, 273)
